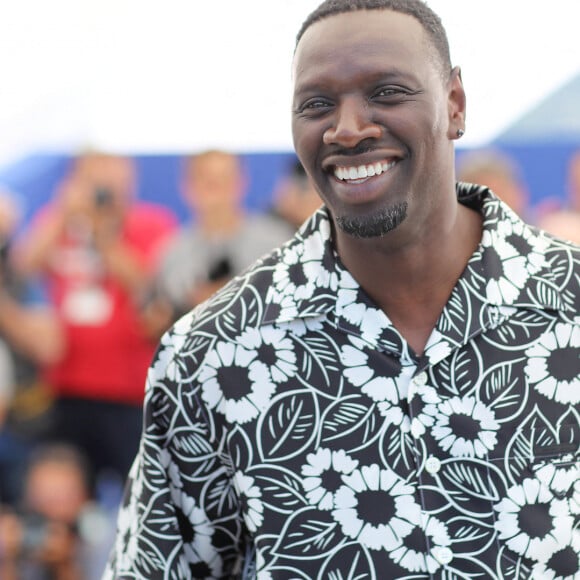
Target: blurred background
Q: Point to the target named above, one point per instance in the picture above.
(146, 158)
(156, 79)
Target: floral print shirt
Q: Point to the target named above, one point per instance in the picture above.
(291, 433)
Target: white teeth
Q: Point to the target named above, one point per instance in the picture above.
(362, 171)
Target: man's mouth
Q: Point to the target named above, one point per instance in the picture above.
(355, 173)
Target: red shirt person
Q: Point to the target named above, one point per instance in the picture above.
(97, 246)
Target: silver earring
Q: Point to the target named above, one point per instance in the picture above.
(460, 133)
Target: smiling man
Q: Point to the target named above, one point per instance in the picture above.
(394, 393)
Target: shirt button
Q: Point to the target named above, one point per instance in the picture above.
(443, 555)
(432, 465)
(420, 379)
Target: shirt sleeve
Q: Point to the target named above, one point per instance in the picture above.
(180, 517)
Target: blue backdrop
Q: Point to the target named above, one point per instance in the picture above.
(35, 177)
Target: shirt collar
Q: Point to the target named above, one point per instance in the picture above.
(509, 270)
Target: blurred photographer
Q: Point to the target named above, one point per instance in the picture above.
(295, 198)
(97, 246)
(222, 237)
(30, 338)
(56, 533)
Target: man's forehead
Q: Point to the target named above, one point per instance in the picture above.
(374, 32)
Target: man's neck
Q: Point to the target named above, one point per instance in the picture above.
(412, 283)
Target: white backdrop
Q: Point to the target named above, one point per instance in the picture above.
(177, 75)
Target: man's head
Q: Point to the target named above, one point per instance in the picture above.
(114, 172)
(500, 173)
(376, 109)
(214, 181)
(430, 21)
(104, 182)
(57, 483)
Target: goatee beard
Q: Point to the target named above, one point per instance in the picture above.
(374, 225)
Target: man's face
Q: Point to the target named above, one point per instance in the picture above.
(372, 119)
(215, 183)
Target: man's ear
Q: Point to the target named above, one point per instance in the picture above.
(456, 104)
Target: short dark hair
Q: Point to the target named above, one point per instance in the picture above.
(430, 21)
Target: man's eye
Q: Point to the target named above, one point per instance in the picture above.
(391, 92)
(314, 105)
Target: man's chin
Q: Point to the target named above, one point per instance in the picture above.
(374, 225)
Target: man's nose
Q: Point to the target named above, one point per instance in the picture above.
(352, 123)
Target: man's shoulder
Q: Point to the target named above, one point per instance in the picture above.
(563, 265)
(560, 249)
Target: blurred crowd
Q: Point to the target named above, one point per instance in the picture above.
(86, 290)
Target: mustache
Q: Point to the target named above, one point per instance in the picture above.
(359, 149)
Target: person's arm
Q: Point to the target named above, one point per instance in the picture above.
(123, 264)
(38, 244)
(10, 541)
(33, 330)
(178, 507)
(59, 552)
(35, 249)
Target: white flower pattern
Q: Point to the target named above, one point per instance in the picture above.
(361, 515)
(291, 432)
(322, 475)
(543, 369)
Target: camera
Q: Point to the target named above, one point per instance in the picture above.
(103, 197)
(220, 269)
(34, 532)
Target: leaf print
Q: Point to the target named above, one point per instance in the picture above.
(194, 453)
(569, 428)
(471, 535)
(282, 571)
(471, 485)
(220, 497)
(281, 489)
(286, 429)
(468, 567)
(240, 449)
(194, 349)
(510, 567)
(545, 292)
(504, 390)
(309, 533)
(456, 316)
(561, 265)
(534, 436)
(351, 423)
(351, 562)
(456, 375)
(397, 450)
(244, 313)
(318, 363)
(525, 327)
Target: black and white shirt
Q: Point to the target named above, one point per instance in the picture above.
(291, 433)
